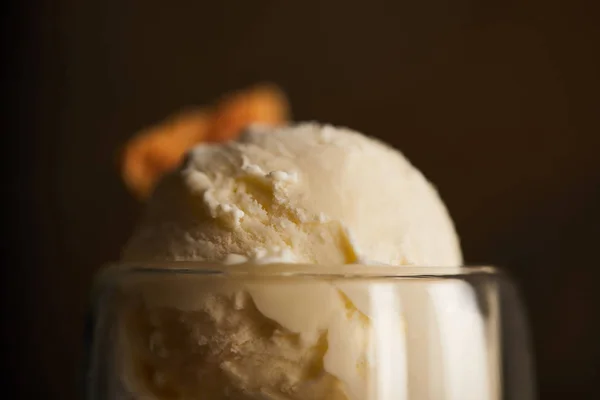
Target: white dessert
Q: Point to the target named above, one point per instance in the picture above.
(308, 194)
(314, 194)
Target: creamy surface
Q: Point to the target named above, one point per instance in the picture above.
(324, 195)
(308, 194)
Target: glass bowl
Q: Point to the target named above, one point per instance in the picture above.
(187, 331)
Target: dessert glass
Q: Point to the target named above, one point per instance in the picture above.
(434, 333)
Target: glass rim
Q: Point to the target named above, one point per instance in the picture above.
(293, 270)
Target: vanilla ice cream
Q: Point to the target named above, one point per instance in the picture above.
(309, 194)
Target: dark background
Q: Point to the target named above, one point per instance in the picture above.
(496, 101)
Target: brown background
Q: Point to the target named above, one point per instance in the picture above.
(496, 101)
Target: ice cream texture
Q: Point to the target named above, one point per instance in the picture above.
(307, 193)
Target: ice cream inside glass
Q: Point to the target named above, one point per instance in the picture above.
(303, 262)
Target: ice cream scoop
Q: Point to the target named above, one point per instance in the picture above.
(311, 194)
(308, 193)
